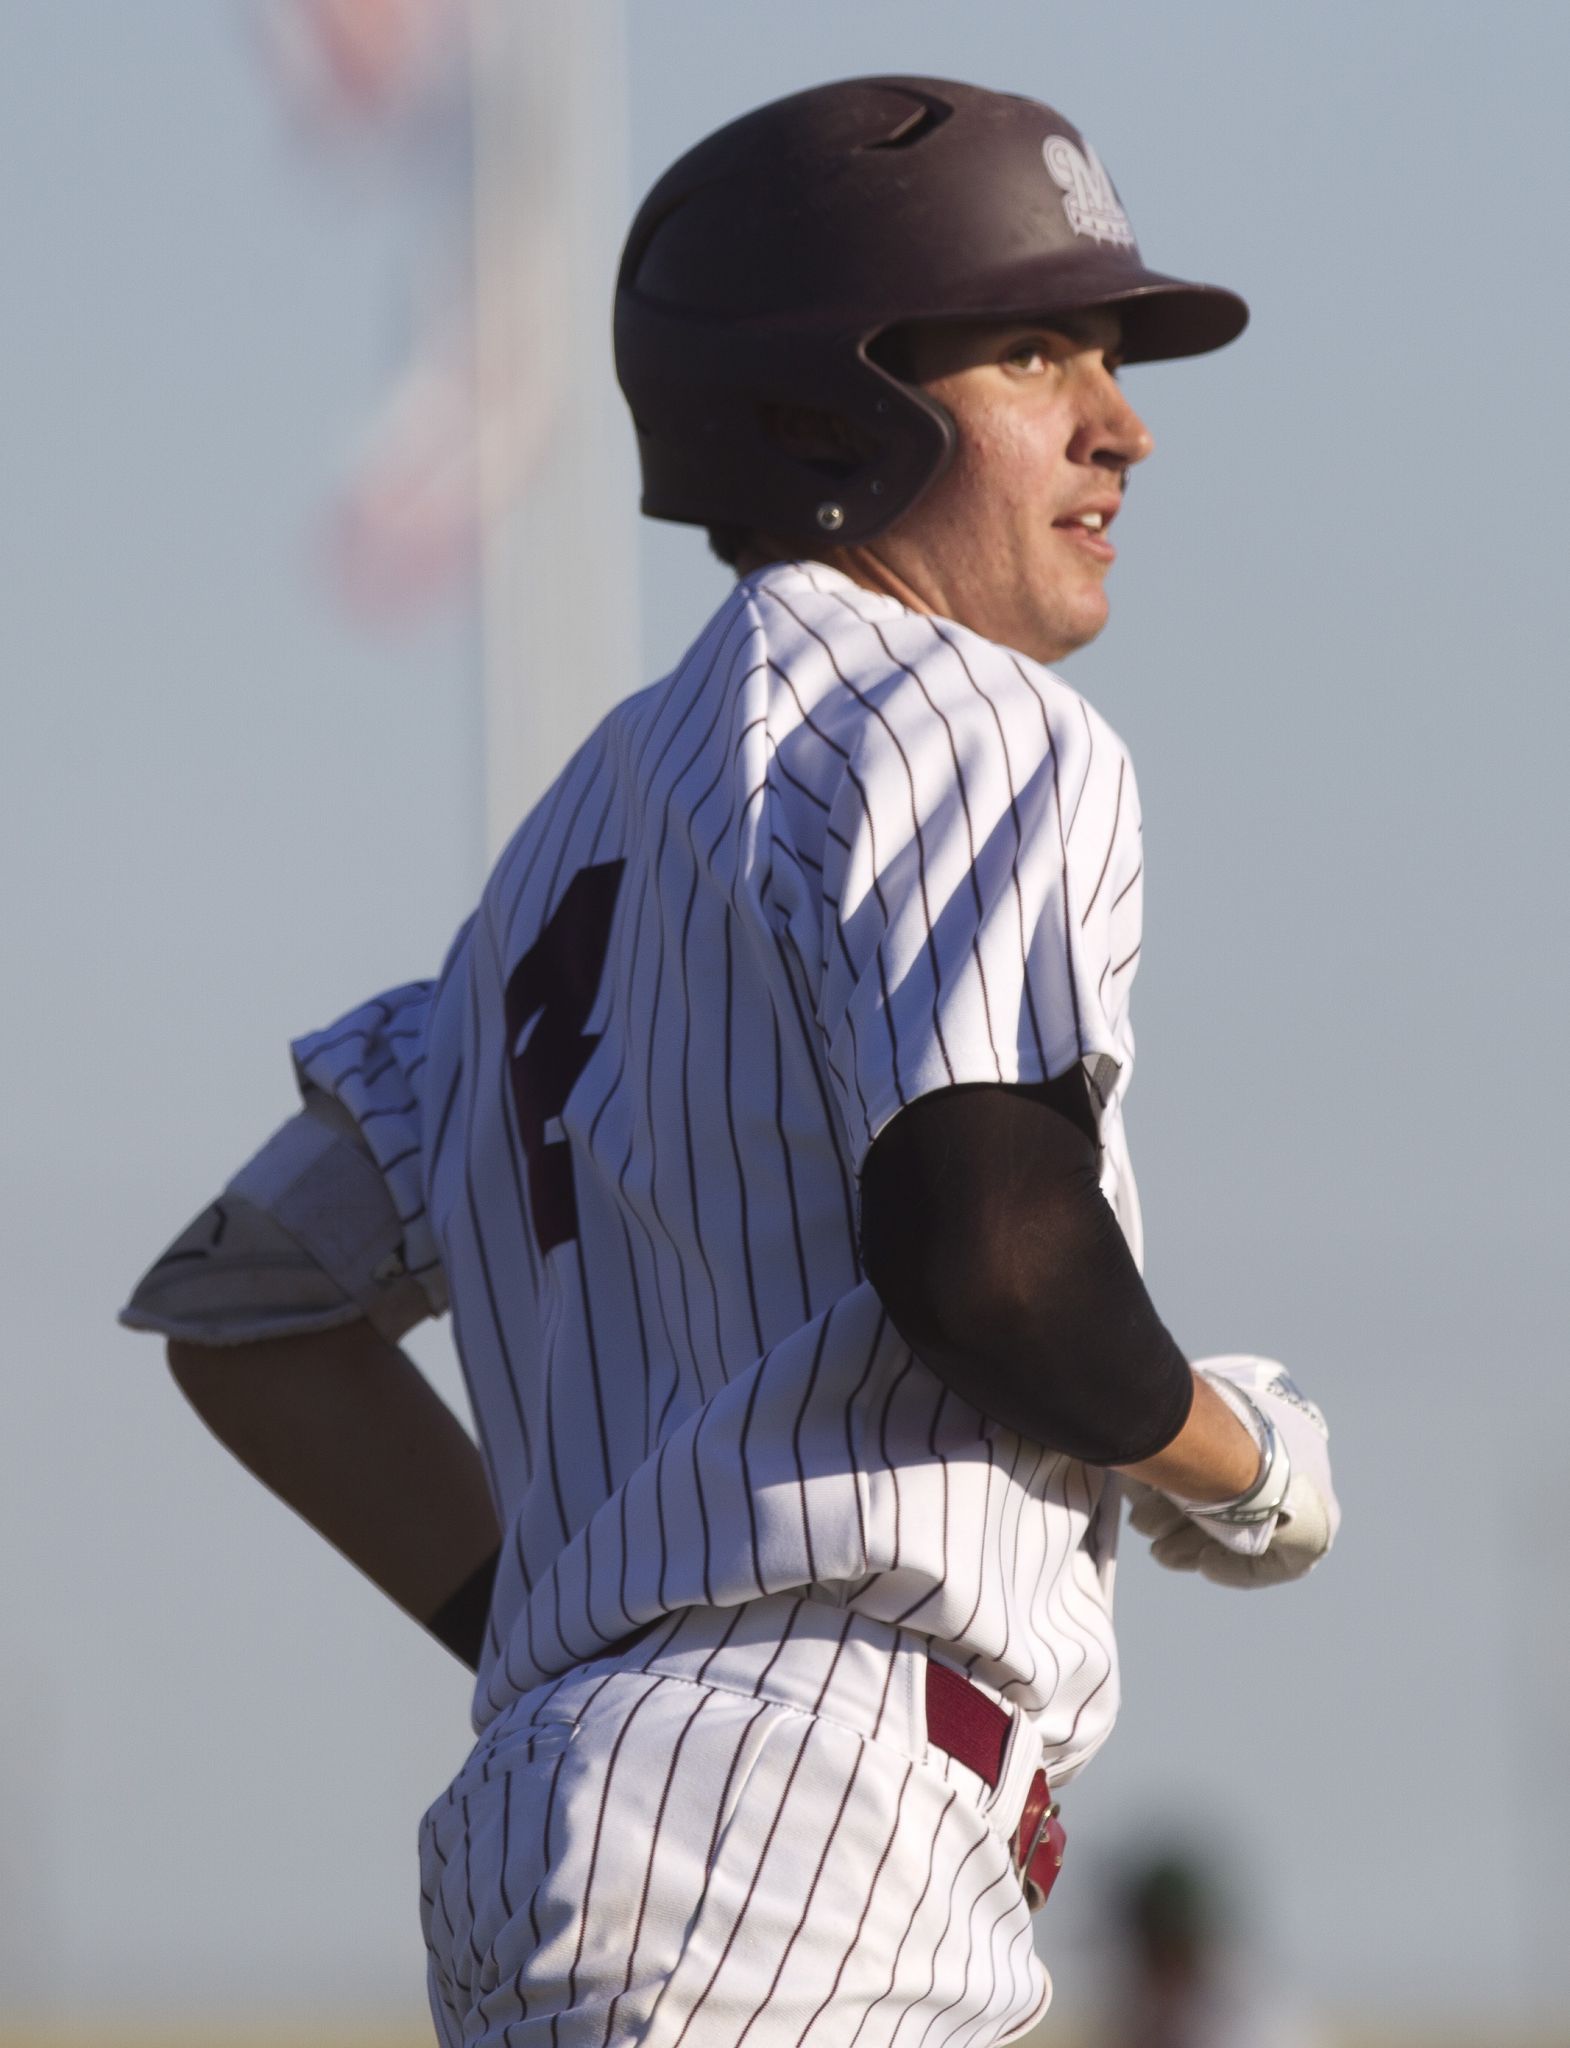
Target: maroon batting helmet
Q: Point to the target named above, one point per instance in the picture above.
(764, 266)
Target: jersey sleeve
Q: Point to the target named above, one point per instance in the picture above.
(368, 1063)
(980, 887)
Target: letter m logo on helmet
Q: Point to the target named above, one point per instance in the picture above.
(1093, 208)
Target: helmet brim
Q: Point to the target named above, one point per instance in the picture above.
(1166, 317)
(1162, 317)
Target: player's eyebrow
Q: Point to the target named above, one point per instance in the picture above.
(1088, 330)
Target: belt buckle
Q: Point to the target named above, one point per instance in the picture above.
(1039, 1843)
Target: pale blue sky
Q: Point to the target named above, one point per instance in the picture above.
(1336, 656)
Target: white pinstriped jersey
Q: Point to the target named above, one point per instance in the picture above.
(843, 855)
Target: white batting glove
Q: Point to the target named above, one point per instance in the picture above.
(1289, 1518)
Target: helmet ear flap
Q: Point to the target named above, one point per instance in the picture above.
(911, 438)
(722, 441)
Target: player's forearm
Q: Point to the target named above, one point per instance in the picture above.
(1212, 1457)
(344, 1427)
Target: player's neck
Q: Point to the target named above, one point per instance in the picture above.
(859, 564)
(862, 566)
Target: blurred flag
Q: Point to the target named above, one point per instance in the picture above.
(405, 529)
(362, 61)
(392, 80)
(498, 457)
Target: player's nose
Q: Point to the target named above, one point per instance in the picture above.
(1110, 433)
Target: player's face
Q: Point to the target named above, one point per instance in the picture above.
(1013, 538)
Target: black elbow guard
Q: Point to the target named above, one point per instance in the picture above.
(1120, 1415)
(986, 1234)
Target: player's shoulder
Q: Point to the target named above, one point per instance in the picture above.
(901, 676)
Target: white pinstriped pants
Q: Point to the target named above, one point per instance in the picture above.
(731, 1833)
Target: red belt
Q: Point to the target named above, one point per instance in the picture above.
(972, 1729)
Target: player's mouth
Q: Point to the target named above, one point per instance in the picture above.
(1086, 529)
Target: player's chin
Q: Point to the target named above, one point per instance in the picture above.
(1070, 621)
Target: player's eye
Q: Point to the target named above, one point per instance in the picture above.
(1029, 358)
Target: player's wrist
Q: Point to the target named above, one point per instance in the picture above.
(460, 1621)
(1262, 1499)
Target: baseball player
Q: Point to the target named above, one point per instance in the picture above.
(763, 1131)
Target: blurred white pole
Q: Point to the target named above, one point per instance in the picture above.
(558, 566)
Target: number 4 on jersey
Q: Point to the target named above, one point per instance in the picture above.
(553, 987)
